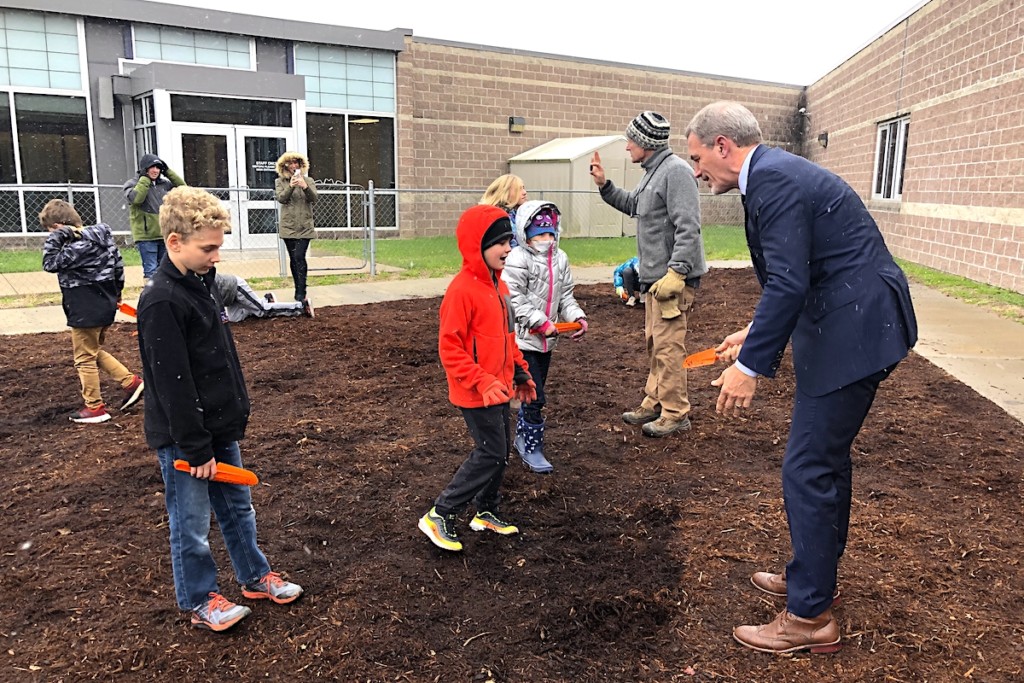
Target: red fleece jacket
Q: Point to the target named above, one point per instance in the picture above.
(476, 339)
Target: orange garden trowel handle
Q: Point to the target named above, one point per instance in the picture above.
(226, 474)
(701, 358)
(127, 309)
(568, 327)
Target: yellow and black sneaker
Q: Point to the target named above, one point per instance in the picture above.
(440, 529)
(489, 521)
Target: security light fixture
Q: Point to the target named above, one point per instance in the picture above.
(823, 139)
(516, 124)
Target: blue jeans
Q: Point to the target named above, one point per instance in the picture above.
(189, 501)
(152, 252)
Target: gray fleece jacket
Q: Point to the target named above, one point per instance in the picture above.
(666, 206)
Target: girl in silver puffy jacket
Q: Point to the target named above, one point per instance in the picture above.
(540, 282)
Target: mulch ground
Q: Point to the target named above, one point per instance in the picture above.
(634, 559)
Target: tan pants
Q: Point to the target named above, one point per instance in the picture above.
(666, 350)
(90, 358)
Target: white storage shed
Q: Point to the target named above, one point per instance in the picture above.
(559, 171)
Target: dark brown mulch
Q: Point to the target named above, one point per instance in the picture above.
(635, 554)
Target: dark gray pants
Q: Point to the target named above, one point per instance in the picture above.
(479, 477)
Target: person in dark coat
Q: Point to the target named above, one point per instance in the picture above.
(829, 284)
(91, 275)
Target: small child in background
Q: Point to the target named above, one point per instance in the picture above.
(626, 281)
(484, 370)
(91, 275)
(538, 277)
(241, 301)
(197, 411)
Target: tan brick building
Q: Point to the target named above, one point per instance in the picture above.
(948, 80)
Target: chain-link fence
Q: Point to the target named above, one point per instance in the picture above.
(349, 220)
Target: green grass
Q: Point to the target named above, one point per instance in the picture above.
(1004, 302)
(31, 260)
(439, 256)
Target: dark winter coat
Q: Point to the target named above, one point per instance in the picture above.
(296, 204)
(195, 391)
(90, 272)
(476, 341)
(145, 197)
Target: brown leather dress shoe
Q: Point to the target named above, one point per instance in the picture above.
(775, 584)
(790, 633)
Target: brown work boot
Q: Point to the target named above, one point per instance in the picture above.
(641, 416)
(664, 426)
(790, 633)
(775, 584)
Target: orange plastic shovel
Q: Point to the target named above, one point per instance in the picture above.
(701, 358)
(127, 310)
(226, 474)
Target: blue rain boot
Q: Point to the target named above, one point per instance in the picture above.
(530, 444)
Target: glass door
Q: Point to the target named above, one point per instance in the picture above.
(257, 151)
(205, 155)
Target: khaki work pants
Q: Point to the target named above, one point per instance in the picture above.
(90, 358)
(666, 350)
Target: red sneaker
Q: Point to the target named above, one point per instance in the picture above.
(90, 415)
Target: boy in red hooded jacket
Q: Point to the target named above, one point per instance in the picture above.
(485, 369)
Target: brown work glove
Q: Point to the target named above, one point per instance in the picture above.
(666, 292)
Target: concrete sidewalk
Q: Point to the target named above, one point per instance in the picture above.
(979, 348)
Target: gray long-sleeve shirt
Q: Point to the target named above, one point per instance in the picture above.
(667, 208)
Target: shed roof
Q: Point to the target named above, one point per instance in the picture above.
(567, 149)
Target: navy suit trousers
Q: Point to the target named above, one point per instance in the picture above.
(817, 484)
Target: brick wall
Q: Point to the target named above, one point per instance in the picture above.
(454, 102)
(957, 68)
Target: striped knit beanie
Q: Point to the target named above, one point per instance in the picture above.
(649, 130)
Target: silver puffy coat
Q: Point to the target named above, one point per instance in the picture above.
(541, 284)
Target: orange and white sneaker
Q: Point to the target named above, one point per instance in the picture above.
(218, 613)
(272, 587)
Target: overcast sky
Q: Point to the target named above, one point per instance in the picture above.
(785, 41)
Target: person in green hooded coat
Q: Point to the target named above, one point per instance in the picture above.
(296, 192)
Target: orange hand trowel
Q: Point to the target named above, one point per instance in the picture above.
(226, 474)
(700, 359)
(127, 309)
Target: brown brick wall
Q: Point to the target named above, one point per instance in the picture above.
(454, 103)
(957, 68)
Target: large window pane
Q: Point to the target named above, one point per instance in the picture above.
(372, 156)
(205, 161)
(7, 170)
(204, 109)
(53, 139)
(325, 135)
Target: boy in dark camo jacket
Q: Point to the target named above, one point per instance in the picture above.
(90, 271)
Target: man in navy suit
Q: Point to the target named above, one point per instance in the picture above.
(831, 285)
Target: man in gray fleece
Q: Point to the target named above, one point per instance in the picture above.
(671, 261)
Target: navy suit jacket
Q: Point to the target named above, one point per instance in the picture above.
(828, 279)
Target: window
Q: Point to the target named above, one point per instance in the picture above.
(236, 111)
(890, 158)
(39, 50)
(53, 139)
(166, 44)
(352, 149)
(347, 78)
(145, 126)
